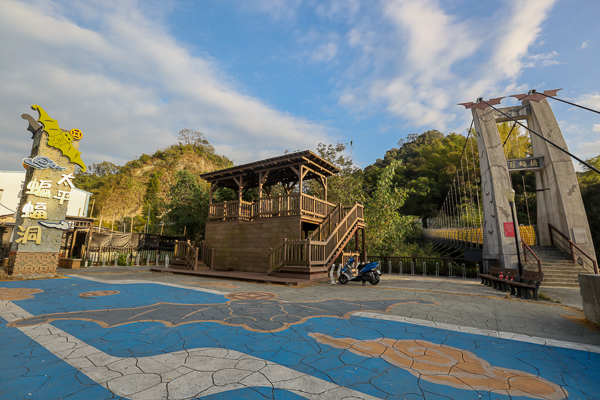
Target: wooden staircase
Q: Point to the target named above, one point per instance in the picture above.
(188, 257)
(313, 256)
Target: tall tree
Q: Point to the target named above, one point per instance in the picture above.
(195, 139)
(187, 207)
(152, 201)
(589, 183)
(429, 163)
(345, 187)
(387, 228)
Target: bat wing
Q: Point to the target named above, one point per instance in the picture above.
(58, 138)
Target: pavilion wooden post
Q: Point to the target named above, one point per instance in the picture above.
(301, 172)
(262, 177)
(240, 182)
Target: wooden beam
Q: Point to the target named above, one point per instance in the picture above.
(316, 165)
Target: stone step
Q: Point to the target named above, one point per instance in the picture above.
(560, 279)
(567, 285)
(547, 268)
(560, 276)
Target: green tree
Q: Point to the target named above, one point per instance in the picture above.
(187, 207)
(589, 183)
(151, 201)
(346, 187)
(429, 164)
(518, 144)
(387, 228)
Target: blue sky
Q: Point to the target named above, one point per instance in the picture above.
(261, 77)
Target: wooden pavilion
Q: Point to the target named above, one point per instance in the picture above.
(291, 235)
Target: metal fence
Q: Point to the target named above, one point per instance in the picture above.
(429, 266)
(126, 256)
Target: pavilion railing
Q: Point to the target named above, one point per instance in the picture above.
(274, 206)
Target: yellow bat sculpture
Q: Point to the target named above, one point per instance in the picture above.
(58, 138)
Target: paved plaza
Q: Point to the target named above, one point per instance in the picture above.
(124, 332)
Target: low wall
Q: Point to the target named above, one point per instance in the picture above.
(245, 245)
(589, 287)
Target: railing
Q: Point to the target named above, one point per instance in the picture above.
(106, 255)
(328, 225)
(578, 256)
(427, 266)
(316, 207)
(275, 206)
(311, 252)
(207, 254)
(530, 258)
(186, 252)
(231, 210)
(469, 236)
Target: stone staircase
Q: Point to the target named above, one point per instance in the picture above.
(558, 269)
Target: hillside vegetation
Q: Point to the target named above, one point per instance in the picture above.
(126, 191)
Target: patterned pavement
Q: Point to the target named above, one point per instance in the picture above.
(91, 337)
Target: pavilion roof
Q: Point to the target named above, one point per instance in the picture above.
(279, 168)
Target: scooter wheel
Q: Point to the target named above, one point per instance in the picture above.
(374, 279)
(343, 279)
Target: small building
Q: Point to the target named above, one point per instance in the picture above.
(290, 234)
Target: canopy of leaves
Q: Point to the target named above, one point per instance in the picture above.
(347, 186)
(589, 183)
(120, 190)
(387, 228)
(429, 164)
(187, 207)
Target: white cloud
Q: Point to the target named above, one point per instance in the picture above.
(584, 44)
(590, 100)
(129, 86)
(597, 128)
(422, 60)
(542, 60)
(325, 52)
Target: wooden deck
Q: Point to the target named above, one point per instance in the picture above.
(241, 276)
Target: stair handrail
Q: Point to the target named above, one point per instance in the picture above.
(207, 255)
(187, 253)
(572, 245)
(278, 256)
(352, 214)
(330, 220)
(527, 249)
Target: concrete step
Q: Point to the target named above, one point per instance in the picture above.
(561, 279)
(567, 285)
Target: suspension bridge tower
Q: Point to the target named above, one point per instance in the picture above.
(559, 203)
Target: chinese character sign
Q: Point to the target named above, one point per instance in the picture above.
(40, 220)
(509, 229)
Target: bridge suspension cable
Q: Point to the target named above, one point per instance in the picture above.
(543, 138)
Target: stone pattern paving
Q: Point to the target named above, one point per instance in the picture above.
(319, 358)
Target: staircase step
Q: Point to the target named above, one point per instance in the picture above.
(568, 285)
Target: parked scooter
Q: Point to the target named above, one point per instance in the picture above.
(362, 273)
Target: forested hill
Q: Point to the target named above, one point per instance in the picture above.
(123, 191)
(428, 164)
